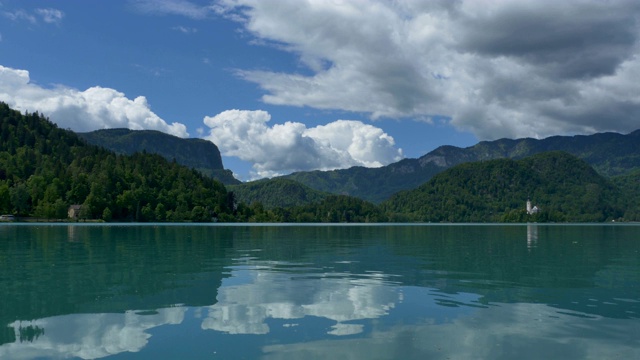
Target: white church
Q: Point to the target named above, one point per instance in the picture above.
(531, 209)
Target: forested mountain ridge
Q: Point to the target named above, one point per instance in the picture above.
(44, 169)
(565, 188)
(198, 154)
(608, 153)
(273, 193)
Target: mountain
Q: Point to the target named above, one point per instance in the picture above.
(45, 169)
(609, 154)
(563, 186)
(273, 193)
(198, 154)
(370, 184)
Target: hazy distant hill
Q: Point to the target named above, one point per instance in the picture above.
(609, 154)
(563, 186)
(198, 154)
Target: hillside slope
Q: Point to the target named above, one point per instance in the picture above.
(564, 187)
(274, 193)
(198, 154)
(609, 154)
(44, 170)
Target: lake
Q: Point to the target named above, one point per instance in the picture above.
(319, 292)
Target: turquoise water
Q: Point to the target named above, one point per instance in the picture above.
(320, 292)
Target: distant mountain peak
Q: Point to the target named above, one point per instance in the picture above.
(608, 153)
(199, 154)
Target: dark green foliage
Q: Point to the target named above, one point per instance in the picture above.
(197, 154)
(335, 209)
(44, 169)
(371, 184)
(273, 193)
(563, 186)
(223, 175)
(609, 154)
(332, 209)
(629, 185)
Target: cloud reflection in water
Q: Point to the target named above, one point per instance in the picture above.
(88, 336)
(244, 308)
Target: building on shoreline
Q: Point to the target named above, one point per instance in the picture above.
(531, 209)
(74, 212)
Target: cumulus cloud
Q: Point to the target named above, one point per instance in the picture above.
(510, 68)
(288, 147)
(91, 109)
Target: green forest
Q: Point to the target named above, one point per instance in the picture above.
(44, 170)
(564, 188)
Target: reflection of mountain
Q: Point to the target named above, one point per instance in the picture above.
(568, 267)
(106, 269)
(419, 291)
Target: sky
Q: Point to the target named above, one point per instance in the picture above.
(297, 85)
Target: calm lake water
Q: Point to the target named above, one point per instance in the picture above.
(320, 292)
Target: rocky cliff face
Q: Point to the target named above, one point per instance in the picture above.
(198, 154)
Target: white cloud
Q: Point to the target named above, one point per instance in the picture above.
(288, 147)
(50, 16)
(509, 68)
(91, 109)
(175, 7)
(185, 30)
(20, 15)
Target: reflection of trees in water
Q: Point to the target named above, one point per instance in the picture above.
(106, 269)
(87, 336)
(30, 333)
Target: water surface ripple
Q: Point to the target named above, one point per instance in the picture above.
(149, 291)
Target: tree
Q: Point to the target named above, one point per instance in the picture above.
(37, 185)
(85, 212)
(147, 213)
(107, 215)
(20, 198)
(200, 214)
(5, 198)
(160, 212)
(60, 209)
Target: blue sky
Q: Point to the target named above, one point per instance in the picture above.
(291, 85)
